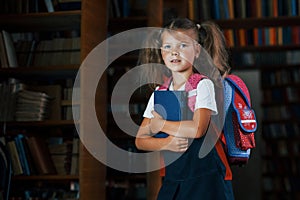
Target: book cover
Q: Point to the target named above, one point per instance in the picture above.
(172, 106)
(41, 155)
(21, 151)
(9, 49)
(216, 9)
(75, 157)
(15, 159)
(49, 5)
(205, 9)
(231, 9)
(3, 57)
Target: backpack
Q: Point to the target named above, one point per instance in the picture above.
(240, 123)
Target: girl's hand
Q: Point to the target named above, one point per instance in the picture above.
(177, 144)
(156, 123)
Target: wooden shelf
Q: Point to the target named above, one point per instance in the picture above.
(40, 72)
(263, 48)
(46, 123)
(47, 178)
(66, 20)
(250, 23)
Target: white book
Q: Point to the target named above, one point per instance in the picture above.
(49, 5)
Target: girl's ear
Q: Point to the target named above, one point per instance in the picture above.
(197, 50)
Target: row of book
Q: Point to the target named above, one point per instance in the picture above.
(125, 190)
(24, 50)
(126, 8)
(281, 166)
(230, 9)
(267, 36)
(281, 184)
(280, 149)
(281, 130)
(280, 112)
(35, 156)
(281, 95)
(262, 59)
(35, 6)
(47, 192)
(281, 77)
(58, 51)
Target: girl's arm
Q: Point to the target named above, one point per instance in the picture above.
(194, 128)
(145, 141)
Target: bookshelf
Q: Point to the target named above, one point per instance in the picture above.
(84, 25)
(95, 23)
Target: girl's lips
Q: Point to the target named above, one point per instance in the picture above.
(175, 61)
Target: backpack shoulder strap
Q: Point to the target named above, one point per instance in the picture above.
(193, 81)
(190, 88)
(242, 104)
(239, 84)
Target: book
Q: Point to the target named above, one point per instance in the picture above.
(172, 106)
(15, 159)
(75, 157)
(22, 155)
(3, 58)
(41, 155)
(231, 9)
(8, 51)
(49, 5)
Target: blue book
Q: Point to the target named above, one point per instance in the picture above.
(172, 106)
(22, 155)
(216, 9)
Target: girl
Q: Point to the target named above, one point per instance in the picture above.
(188, 177)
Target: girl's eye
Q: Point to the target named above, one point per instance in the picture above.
(166, 47)
(183, 45)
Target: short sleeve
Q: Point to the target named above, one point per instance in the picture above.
(206, 96)
(150, 107)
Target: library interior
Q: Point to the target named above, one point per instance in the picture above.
(45, 122)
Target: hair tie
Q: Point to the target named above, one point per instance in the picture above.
(198, 26)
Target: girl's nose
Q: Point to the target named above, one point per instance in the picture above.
(175, 53)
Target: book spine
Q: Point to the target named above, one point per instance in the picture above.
(22, 155)
(41, 155)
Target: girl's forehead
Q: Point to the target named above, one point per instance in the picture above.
(179, 35)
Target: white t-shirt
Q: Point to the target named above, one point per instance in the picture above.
(205, 98)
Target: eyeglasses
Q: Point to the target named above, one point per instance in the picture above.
(178, 47)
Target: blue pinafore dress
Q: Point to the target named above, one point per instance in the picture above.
(194, 178)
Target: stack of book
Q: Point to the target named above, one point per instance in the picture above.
(32, 106)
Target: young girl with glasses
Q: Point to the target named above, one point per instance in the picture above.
(189, 177)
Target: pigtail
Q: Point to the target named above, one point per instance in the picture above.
(152, 73)
(213, 41)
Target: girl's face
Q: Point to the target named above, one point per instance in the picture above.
(179, 49)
